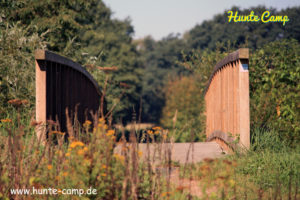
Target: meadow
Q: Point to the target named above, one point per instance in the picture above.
(269, 170)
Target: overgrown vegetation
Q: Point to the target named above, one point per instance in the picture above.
(88, 160)
(158, 82)
(275, 91)
(269, 170)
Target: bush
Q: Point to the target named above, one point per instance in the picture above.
(275, 90)
(17, 65)
(184, 109)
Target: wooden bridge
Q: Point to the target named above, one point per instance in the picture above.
(227, 101)
(62, 85)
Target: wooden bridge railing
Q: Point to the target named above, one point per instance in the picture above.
(61, 84)
(227, 101)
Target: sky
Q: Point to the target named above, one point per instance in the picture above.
(160, 18)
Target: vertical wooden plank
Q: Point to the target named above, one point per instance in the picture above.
(205, 113)
(57, 94)
(244, 103)
(40, 100)
(219, 102)
(209, 111)
(234, 98)
(212, 103)
(63, 97)
(237, 99)
(230, 98)
(226, 98)
(223, 98)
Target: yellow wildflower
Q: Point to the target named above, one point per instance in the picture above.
(140, 153)
(65, 174)
(56, 132)
(119, 157)
(87, 123)
(80, 152)
(166, 194)
(87, 161)
(104, 166)
(103, 174)
(278, 110)
(113, 137)
(67, 154)
(110, 132)
(76, 143)
(6, 120)
(231, 183)
(101, 120)
(105, 126)
(150, 132)
(49, 167)
(157, 128)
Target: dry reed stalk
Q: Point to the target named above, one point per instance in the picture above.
(69, 125)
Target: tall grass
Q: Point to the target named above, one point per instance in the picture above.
(121, 170)
(87, 160)
(269, 170)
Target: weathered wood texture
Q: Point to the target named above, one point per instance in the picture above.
(227, 101)
(63, 84)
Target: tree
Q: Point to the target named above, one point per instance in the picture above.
(85, 32)
(254, 35)
(160, 64)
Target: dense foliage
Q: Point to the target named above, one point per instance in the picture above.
(184, 109)
(17, 48)
(164, 81)
(275, 89)
(149, 69)
(255, 35)
(269, 170)
(162, 59)
(85, 32)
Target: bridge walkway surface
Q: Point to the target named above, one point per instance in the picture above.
(179, 152)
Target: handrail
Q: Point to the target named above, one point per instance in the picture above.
(242, 53)
(50, 56)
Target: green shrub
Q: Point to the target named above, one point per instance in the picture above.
(17, 65)
(275, 89)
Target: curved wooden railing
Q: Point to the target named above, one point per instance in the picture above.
(63, 84)
(227, 101)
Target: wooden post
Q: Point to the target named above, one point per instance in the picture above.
(40, 99)
(244, 98)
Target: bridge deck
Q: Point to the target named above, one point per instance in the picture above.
(195, 152)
